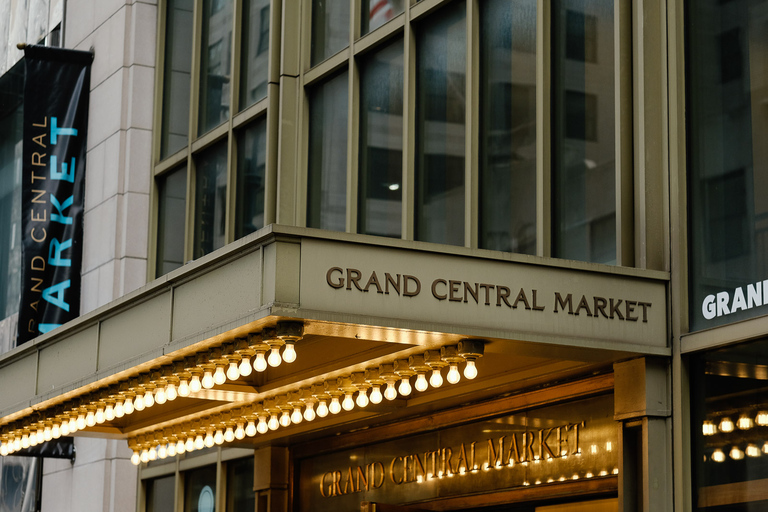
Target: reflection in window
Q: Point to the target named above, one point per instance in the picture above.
(327, 179)
(200, 489)
(251, 162)
(375, 13)
(381, 142)
(176, 73)
(240, 493)
(330, 28)
(210, 199)
(508, 126)
(254, 58)
(160, 493)
(216, 63)
(440, 118)
(583, 147)
(172, 207)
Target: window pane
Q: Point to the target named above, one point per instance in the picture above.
(254, 57)
(176, 73)
(327, 187)
(381, 142)
(375, 13)
(251, 162)
(172, 191)
(216, 63)
(330, 28)
(508, 126)
(210, 199)
(240, 493)
(583, 147)
(728, 160)
(200, 489)
(440, 86)
(160, 493)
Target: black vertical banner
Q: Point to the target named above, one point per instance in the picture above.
(56, 89)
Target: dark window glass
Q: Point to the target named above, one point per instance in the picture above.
(176, 76)
(200, 489)
(440, 120)
(583, 120)
(327, 175)
(215, 68)
(728, 160)
(172, 207)
(210, 199)
(251, 162)
(254, 58)
(375, 13)
(381, 142)
(240, 493)
(160, 493)
(330, 28)
(508, 126)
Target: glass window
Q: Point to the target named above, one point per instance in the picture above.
(172, 207)
(176, 76)
(251, 162)
(240, 493)
(330, 28)
(728, 160)
(583, 146)
(375, 13)
(440, 126)
(216, 64)
(508, 126)
(254, 58)
(729, 418)
(381, 142)
(327, 182)
(160, 493)
(210, 199)
(200, 489)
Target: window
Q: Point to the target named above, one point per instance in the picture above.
(160, 494)
(240, 493)
(176, 76)
(172, 192)
(200, 489)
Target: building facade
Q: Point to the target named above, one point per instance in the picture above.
(397, 255)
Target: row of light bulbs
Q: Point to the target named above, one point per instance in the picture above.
(182, 378)
(736, 453)
(727, 425)
(319, 400)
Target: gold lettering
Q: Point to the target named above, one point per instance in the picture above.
(36, 288)
(39, 139)
(44, 125)
(375, 485)
(392, 476)
(40, 260)
(493, 459)
(349, 485)
(362, 476)
(322, 486)
(37, 218)
(32, 234)
(37, 159)
(36, 199)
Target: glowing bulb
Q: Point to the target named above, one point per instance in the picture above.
(335, 406)
(289, 354)
(184, 387)
(752, 450)
(421, 382)
(149, 399)
(250, 429)
(233, 372)
(470, 371)
(745, 422)
(189, 444)
(762, 418)
(3, 449)
(274, 359)
(376, 396)
(218, 438)
(38, 436)
(144, 456)
(322, 408)
(162, 451)
(207, 381)
(765, 448)
(55, 431)
(64, 427)
(195, 384)
(109, 412)
(171, 449)
(263, 426)
(138, 403)
(208, 442)
(80, 421)
(128, 406)
(309, 411)
(736, 453)
(245, 367)
(181, 447)
(17, 444)
(72, 424)
(708, 428)
(170, 392)
(199, 442)
(453, 374)
(153, 453)
(273, 424)
(296, 415)
(718, 455)
(220, 377)
(90, 419)
(160, 395)
(99, 416)
(239, 432)
(405, 387)
(135, 458)
(726, 425)
(436, 380)
(47, 435)
(25, 441)
(362, 398)
(260, 363)
(390, 393)
(348, 403)
(285, 419)
(229, 435)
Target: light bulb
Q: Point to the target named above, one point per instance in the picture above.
(245, 367)
(309, 411)
(229, 435)
(376, 396)
(153, 453)
(171, 392)
(194, 384)
(335, 406)
(171, 449)
(322, 408)
(55, 431)
(250, 430)
(3, 450)
(149, 399)
(47, 435)
(762, 418)
(239, 432)
(708, 428)
(285, 419)
(135, 458)
(128, 405)
(736, 453)
(274, 359)
(17, 444)
(273, 424)
(80, 421)
(100, 418)
(208, 442)
(453, 374)
(718, 455)
(72, 424)
(289, 354)
(39, 436)
(181, 447)
(348, 403)
(64, 427)
(745, 422)
(160, 395)
(390, 393)
(138, 403)
(765, 448)
(207, 381)
(109, 412)
(362, 398)
(470, 371)
(752, 450)
(726, 425)
(233, 372)
(90, 419)
(218, 438)
(184, 387)
(436, 380)
(405, 387)
(220, 377)
(162, 451)
(296, 415)
(189, 444)
(263, 426)
(421, 382)
(260, 363)
(144, 456)
(199, 442)
(25, 441)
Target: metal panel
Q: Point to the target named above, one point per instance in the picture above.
(18, 381)
(71, 359)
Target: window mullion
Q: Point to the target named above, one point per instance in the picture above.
(472, 114)
(409, 127)
(543, 129)
(624, 134)
(353, 98)
(194, 76)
